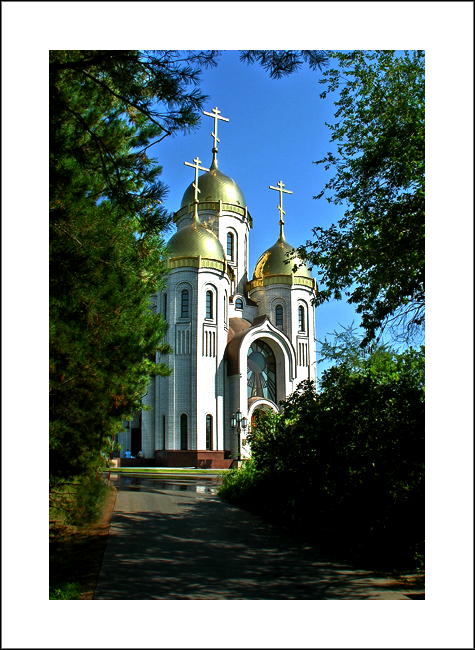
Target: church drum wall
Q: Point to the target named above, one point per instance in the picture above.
(211, 343)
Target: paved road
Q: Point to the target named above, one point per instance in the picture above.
(176, 540)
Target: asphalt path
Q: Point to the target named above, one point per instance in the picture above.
(175, 539)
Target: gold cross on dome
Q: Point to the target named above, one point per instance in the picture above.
(196, 167)
(280, 207)
(215, 114)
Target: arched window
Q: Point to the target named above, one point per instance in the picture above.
(185, 304)
(183, 431)
(261, 369)
(209, 304)
(279, 316)
(230, 246)
(302, 324)
(238, 303)
(209, 432)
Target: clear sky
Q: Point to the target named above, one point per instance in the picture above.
(276, 130)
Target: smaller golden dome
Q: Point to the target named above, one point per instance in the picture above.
(214, 186)
(277, 260)
(195, 240)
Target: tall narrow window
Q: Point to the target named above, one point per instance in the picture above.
(185, 304)
(302, 327)
(183, 431)
(165, 306)
(163, 430)
(261, 371)
(230, 246)
(279, 316)
(209, 432)
(209, 304)
(238, 304)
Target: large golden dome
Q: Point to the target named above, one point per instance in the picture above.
(278, 260)
(215, 186)
(195, 240)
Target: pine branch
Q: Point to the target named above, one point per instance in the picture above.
(101, 148)
(154, 142)
(93, 61)
(126, 100)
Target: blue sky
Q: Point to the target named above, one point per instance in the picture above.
(276, 130)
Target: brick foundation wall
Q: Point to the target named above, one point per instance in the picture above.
(193, 458)
(137, 462)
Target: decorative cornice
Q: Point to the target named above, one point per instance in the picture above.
(269, 280)
(196, 262)
(200, 263)
(214, 206)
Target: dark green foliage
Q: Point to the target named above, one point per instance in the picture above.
(67, 591)
(346, 466)
(374, 255)
(280, 63)
(242, 486)
(78, 502)
(90, 494)
(106, 237)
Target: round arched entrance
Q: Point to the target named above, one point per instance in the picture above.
(256, 405)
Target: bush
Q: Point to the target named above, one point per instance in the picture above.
(67, 591)
(346, 465)
(78, 502)
(241, 485)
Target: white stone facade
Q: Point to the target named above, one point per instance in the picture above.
(211, 331)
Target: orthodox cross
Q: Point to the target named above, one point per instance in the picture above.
(196, 167)
(215, 114)
(280, 207)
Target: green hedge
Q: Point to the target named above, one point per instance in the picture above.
(346, 465)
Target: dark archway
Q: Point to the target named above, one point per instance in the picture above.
(183, 431)
(136, 434)
(209, 432)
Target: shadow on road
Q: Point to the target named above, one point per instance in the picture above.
(210, 550)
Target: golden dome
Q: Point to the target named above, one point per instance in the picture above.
(215, 186)
(277, 261)
(195, 240)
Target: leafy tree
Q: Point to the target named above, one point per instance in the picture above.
(346, 465)
(106, 236)
(346, 349)
(375, 253)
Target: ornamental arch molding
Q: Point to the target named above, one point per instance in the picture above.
(256, 404)
(285, 361)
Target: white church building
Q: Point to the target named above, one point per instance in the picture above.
(241, 341)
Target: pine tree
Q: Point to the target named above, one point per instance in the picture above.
(107, 223)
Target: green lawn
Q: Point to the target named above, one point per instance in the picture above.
(172, 470)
